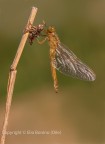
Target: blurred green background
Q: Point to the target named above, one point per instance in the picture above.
(78, 110)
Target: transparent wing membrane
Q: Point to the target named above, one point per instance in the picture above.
(67, 63)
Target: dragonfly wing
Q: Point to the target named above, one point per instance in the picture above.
(67, 63)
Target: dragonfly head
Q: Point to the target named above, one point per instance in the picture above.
(51, 29)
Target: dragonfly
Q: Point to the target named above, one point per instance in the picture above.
(63, 59)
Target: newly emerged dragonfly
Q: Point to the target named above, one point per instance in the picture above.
(64, 60)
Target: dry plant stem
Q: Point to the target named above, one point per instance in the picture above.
(12, 74)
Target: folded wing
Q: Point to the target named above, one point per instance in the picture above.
(67, 63)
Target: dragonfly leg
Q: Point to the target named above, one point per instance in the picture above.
(42, 41)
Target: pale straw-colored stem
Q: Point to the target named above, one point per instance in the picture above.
(12, 74)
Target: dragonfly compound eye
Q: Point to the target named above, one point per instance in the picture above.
(51, 29)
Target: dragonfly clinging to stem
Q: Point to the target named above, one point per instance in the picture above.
(61, 57)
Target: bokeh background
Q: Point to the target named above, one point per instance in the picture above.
(78, 110)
